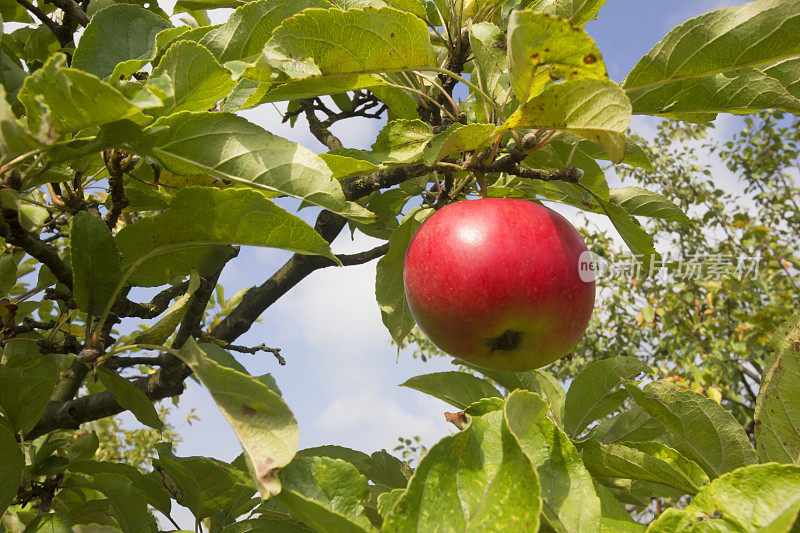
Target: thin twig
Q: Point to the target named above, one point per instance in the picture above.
(47, 21)
(260, 348)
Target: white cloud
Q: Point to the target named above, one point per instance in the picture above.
(368, 420)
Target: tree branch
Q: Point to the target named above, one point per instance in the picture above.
(260, 348)
(159, 303)
(317, 128)
(258, 299)
(116, 188)
(47, 21)
(71, 9)
(123, 362)
(168, 380)
(509, 164)
(363, 257)
(15, 234)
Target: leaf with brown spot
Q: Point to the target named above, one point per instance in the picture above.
(777, 415)
(542, 48)
(592, 109)
(264, 424)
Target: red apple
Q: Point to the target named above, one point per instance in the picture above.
(496, 282)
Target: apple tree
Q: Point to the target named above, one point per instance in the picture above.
(126, 170)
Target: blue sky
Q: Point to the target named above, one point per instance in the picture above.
(341, 378)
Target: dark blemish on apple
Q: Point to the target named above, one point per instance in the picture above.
(589, 59)
(509, 340)
(546, 50)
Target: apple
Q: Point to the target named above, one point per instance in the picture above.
(496, 282)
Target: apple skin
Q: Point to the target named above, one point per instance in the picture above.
(495, 282)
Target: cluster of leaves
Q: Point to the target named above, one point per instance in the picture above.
(707, 330)
(124, 167)
(703, 330)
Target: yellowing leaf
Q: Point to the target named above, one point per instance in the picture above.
(595, 110)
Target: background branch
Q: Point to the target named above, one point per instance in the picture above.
(168, 380)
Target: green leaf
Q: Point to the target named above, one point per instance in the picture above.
(381, 468)
(785, 71)
(459, 389)
(118, 33)
(710, 64)
(229, 147)
(11, 11)
(387, 501)
(327, 494)
(331, 42)
(130, 397)
(204, 485)
(542, 48)
(633, 424)
(646, 461)
(595, 110)
(264, 424)
(16, 139)
(50, 523)
(614, 518)
(8, 273)
(755, 498)
(389, 288)
(25, 388)
(13, 466)
(777, 415)
(95, 263)
(641, 202)
(249, 28)
(128, 505)
(197, 227)
(224, 358)
(31, 217)
(595, 392)
(748, 91)
(538, 381)
(83, 448)
(634, 154)
(159, 332)
(184, 6)
(487, 42)
(385, 469)
(400, 141)
(476, 480)
(344, 166)
(12, 76)
(704, 431)
(267, 524)
(148, 484)
(455, 139)
(191, 78)
(310, 87)
(579, 12)
(556, 155)
(638, 240)
(75, 99)
(569, 499)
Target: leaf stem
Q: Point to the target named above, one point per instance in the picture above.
(469, 84)
(432, 100)
(8, 166)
